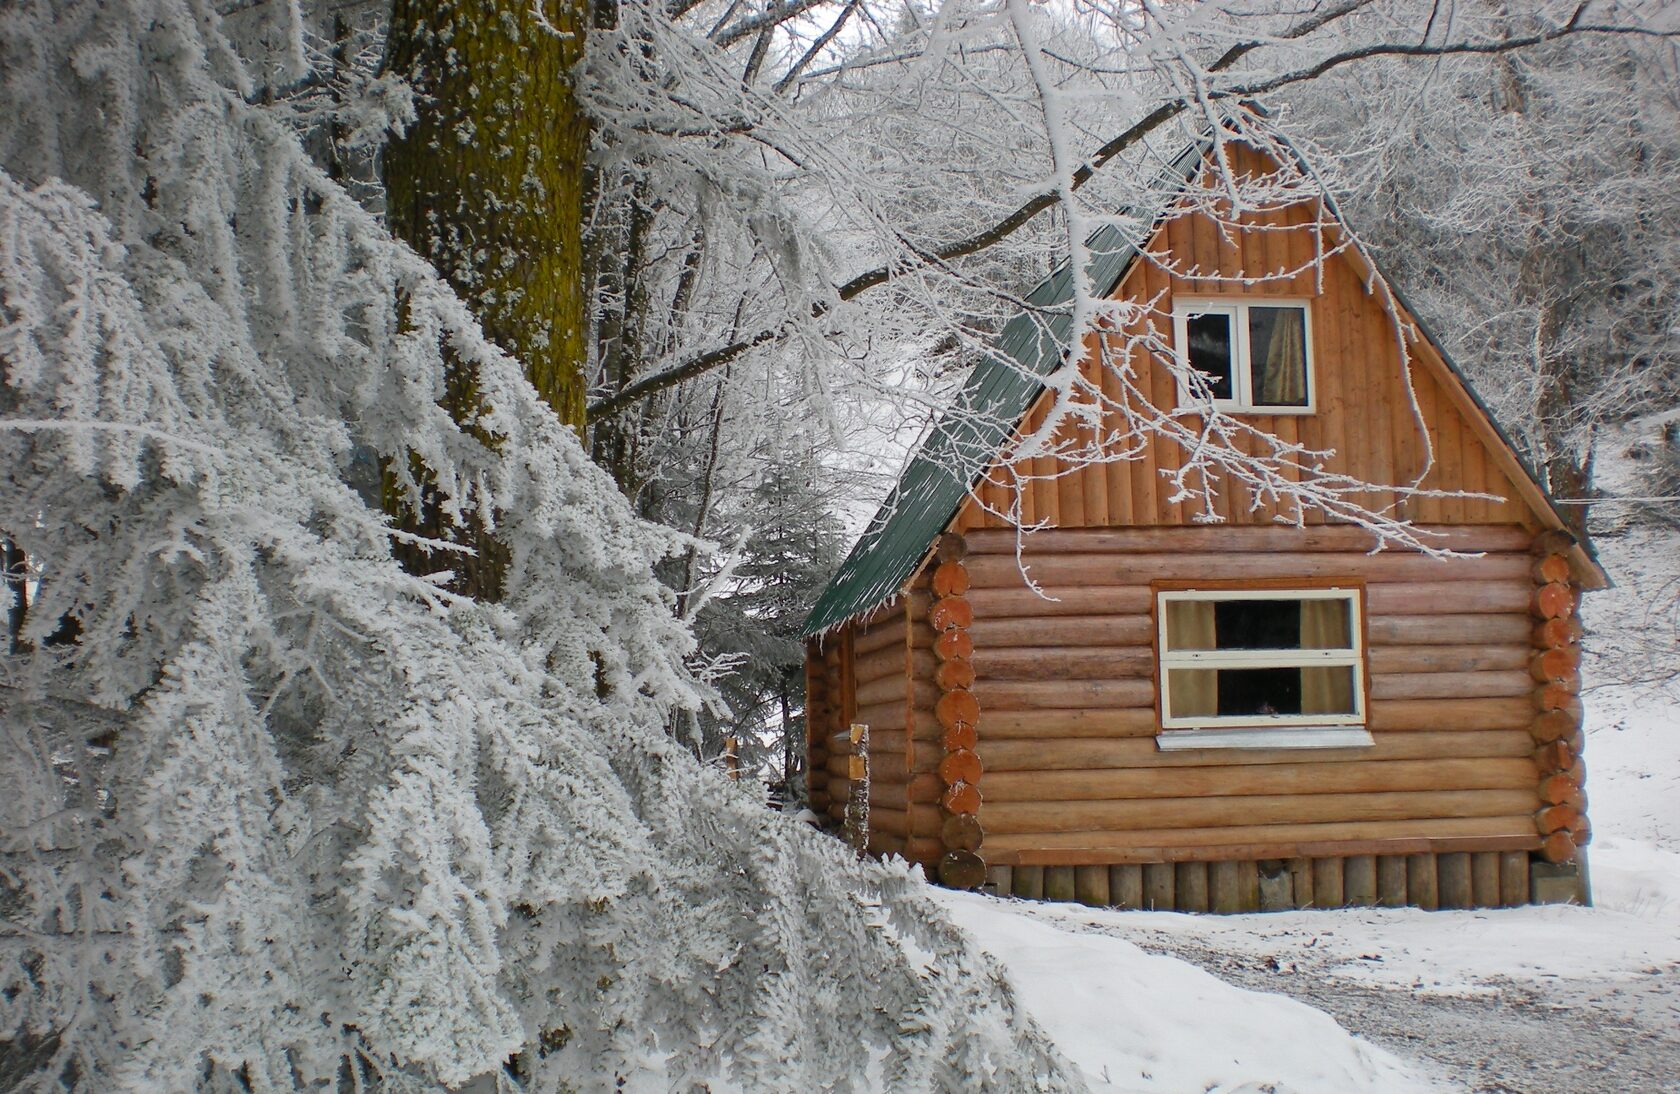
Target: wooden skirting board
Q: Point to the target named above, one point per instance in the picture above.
(1429, 879)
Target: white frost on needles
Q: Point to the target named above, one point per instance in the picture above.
(278, 814)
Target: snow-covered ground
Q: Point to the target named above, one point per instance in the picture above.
(1135, 1021)
(1530, 999)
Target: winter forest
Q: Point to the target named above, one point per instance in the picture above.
(425, 427)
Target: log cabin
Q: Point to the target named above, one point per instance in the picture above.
(1229, 706)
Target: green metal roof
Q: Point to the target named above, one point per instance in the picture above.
(967, 439)
(969, 436)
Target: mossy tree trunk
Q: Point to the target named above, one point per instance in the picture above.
(488, 184)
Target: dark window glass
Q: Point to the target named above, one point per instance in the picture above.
(1259, 691)
(1277, 348)
(1210, 350)
(1257, 624)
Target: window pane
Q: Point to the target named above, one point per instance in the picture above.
(1259, 692)
(1193, 692)
(1277, 346)
(1327, 689)
(1209, 350)
(1258, 624)
(1327, 624)
(1190, 625)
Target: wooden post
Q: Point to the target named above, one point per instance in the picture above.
(1421, 884)
(1453, 880)
(958, 712)
(1090, 885)
(1327, 882)
(1029, 882)
(857, 789)
(1391, 881)
(1225, 887)
(1557, 722)
(1359, 881)
(1191, 886)
(1125, 886)
(1158, 886)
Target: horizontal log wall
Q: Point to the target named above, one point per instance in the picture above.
(1068, 690)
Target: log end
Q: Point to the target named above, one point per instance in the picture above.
(962, 870)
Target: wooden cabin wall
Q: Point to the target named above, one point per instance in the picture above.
(878, 672)
(1362, 409)
(1068, 717)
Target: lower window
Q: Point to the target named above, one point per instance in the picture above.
(1287, 658)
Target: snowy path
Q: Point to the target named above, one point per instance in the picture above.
(1591, 1036)
(1531, 1000)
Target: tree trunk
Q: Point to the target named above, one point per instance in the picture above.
(488, 184)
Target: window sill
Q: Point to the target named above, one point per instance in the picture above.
(1304, 737)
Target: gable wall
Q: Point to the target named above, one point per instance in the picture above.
(1363, 412)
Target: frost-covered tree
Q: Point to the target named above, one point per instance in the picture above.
(1547, 182)
(276, 813)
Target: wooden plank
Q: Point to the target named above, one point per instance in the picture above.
(1301, 881)
(1401, 715)
(1264, 539)
(1269, 840)
(1225, 887)
(1391, 881)
(1484, 879)
(1099, 750)
(1434, 597)
(1359, 881)
(879, 637)
(1117, 474)
(1503, 683)
(1091, 630)
(1068, 694)
(1158, 884)
(894, 688)
(1190, 886)
(1421, 884)
(1307, 778)
(1000, 571)
(1042, 817)
(1125, 886)
(1090, 885)
(1058, 883)
(1452, 874)
(1029, 882)
(1455, 629)
(1058, 600)
(1327, 882)
(1513, 879)
(1076, 663)
(1387, 660)
(1037, 725)
(891, 662)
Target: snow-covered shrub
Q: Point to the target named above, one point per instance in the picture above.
(275, 813)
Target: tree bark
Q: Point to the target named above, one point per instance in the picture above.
(488, 184)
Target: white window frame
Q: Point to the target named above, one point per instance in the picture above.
(1251, 731)
(1242, 380)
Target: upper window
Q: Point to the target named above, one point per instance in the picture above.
(1254, 355)
(1240, 659)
